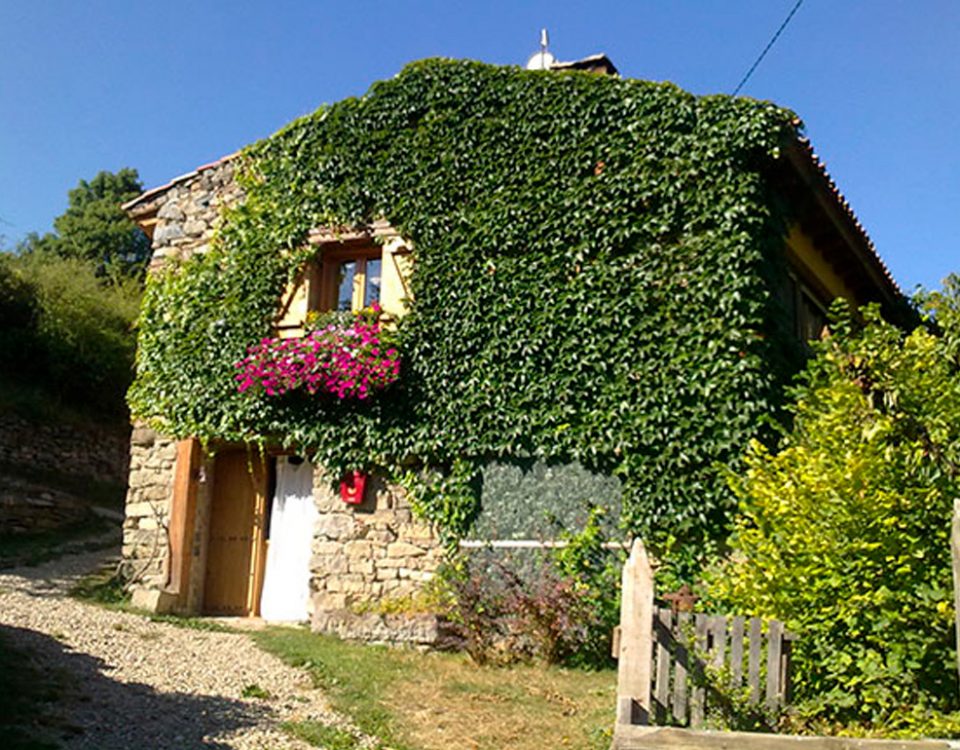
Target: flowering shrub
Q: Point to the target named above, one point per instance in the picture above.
(343, 355)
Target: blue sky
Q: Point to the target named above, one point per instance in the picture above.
(164, 87)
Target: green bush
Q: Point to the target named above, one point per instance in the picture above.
(66, 331)
(557, 605)
(844, 533)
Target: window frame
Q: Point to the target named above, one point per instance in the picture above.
(323, 275)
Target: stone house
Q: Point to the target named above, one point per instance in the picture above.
(201, 527)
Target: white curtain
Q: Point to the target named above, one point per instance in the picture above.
(286, 580)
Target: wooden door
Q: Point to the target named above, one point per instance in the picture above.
(235, 549)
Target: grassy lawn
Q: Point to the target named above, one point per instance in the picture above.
(434, 701)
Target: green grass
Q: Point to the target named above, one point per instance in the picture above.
(105, 589)
(253, 690)
(433, 701)
(321, 735)
(356, 677)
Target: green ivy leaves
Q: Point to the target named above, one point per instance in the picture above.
(593, 260)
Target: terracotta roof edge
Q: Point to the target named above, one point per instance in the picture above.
(802, 148)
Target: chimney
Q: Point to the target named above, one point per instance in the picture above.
(544, 60)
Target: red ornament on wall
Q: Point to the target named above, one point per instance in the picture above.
(352, 486)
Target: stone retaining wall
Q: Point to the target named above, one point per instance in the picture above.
(416, 629)
(90, 451)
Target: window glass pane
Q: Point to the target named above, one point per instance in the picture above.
(345, 274)
(811, 318)
(371, 292)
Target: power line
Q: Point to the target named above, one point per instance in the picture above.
(767, 48)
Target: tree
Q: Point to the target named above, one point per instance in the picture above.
(95, 229)
(844, 533)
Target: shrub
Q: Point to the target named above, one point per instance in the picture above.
(556, 606)
(71, 333)
(844, 533)
(506, 612)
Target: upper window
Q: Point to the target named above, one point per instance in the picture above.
(350, 279)
(808, 316)
(348, 274)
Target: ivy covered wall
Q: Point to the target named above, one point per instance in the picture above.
(594, 266)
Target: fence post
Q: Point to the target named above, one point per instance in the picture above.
(955, 554)
(636, 639)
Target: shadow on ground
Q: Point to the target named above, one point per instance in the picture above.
(53, 697)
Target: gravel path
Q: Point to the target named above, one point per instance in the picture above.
(132, 683)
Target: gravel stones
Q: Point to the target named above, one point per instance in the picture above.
(136, 683)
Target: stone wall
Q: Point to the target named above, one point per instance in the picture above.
(369, 553)
(188, 210)
(362, 555)
(145, 544)
(90, 451)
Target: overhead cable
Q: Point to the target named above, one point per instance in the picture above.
(767, 48)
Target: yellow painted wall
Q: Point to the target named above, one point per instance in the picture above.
(395, 280)
(294, 301)
(810, 263)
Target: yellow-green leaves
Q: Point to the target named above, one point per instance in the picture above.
(844, 532)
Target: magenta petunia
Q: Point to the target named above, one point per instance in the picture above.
(345, 360)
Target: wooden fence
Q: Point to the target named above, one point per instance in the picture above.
(671, 663)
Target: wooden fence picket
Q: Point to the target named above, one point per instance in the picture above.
(670, 662)
(689, 650)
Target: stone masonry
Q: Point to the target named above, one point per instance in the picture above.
(150, 489)
(362, 555)
(188, 210)
(98, 452)
(366, 553)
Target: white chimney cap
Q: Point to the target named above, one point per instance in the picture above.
(540, 61)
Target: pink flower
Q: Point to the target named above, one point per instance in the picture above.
(346, 361)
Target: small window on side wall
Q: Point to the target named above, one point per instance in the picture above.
(808, 317)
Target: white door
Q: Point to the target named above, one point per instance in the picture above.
(286, 580)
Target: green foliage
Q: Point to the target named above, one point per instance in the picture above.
(593, 267)
(95, 229)
(323, 735)
(844, 533)
(595, 569)
(66, 332)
